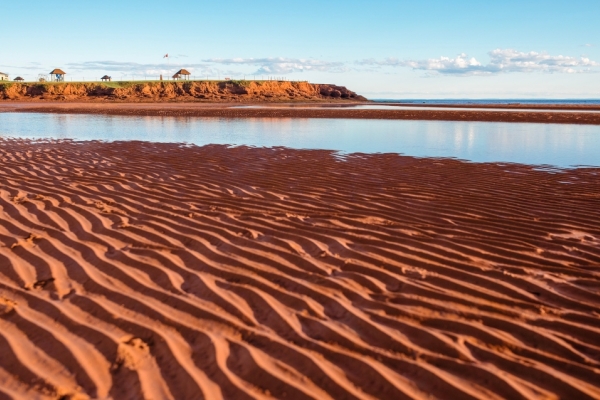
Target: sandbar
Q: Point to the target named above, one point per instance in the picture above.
(232, 110)
(145, 270)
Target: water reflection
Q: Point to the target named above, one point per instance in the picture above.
(553, 144)
(411, 108)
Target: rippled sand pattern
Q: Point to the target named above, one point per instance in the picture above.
(159, 271)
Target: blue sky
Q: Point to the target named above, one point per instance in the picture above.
(380, 48)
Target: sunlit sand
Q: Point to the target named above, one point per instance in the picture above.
(140, 270)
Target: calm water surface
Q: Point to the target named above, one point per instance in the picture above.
(410, 108)
(494, 101)
(552, 144)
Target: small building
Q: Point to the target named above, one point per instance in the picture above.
(57, 75)
(3, 76)
(106, 78)
(19, 79)
(182, 74)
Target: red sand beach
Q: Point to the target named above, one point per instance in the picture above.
(138, 270)
(567, 115)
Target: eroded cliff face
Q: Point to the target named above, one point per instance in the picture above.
(194, 90)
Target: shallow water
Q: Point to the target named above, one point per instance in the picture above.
(413, 108)
(558, 145)
(494, 101)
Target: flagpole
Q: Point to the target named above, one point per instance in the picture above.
(168, 62)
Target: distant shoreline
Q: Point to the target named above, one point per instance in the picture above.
(294, 110)
(537, 106)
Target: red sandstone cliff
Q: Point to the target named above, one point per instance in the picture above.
(179, 91)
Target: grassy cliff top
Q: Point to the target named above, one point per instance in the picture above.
(125, 84)
(219, 90)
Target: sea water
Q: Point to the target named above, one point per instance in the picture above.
(554, 102)
(558, 145)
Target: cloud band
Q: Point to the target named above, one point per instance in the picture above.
(501, 60)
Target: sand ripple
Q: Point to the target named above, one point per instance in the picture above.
(138, 270)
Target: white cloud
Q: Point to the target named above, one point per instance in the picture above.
(140, 69)
(501, 60)
(512, 60)
(281, 65)
(266, 66)
(31, 65)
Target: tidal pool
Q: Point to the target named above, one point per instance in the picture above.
(559, 145)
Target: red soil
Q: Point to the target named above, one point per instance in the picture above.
(140, 270)
(261, 91)
(226, 111)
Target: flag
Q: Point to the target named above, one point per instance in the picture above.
(166, 55)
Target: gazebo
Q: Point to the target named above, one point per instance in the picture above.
(57, 75)
(182, 74)
(19, 79)
(106, 78)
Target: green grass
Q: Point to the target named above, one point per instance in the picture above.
(116, 83)
(124, 84)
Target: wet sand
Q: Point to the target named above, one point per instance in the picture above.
(572, 107)
(224, 110)
(140, 270)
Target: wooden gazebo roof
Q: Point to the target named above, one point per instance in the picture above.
(57, 71)
(18, 78)
(183, 72)
(105, 77)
